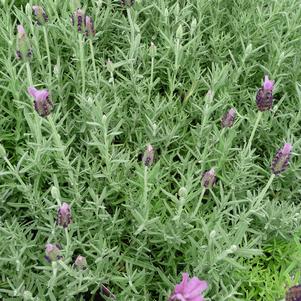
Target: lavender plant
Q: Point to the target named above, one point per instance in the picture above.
(119, 77)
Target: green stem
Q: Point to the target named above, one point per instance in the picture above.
(82, 63)
(48, 54)
(29, 76)
(151, 79)
(199, 203)
(145, 180)
(265, 189)
(52, 280)
(67, 242)
(259, 114)
(93, 59)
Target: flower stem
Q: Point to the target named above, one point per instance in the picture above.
(29, 76)
(265, 189)
(259, 114)
(145, 191)
(93, 59)
(150, 87)
(82, 62)
(67, 242)
(48, 54)
(199, 203)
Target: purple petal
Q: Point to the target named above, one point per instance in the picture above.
(195, 287)
(21, 30)
(32, 91)
(180, 287)
(287, 148)
(268, 84)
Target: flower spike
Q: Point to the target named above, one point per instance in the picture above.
(264, 96)
(281, 160)
(42, 103)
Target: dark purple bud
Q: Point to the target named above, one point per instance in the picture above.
(89, 29)
(264, 96)
(293, 293)
(209, 178)
(228, 118)
(23, 45)
(80, 262)
(281, 160)
(127, 2)
(78, 19)
(148, 157)
(53, 252)
(64, 215)
(42, 102)
(107, 292)
(40, 14)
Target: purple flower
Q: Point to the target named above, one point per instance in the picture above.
(264, 96)
(148, 157)
(209, 178)
(78, 19)
(84, 23)
(23, 45)
(42, 102)
(89, 27)
(53, 252)
(228, 118)
(189, 289)
(281, 160)
(40, 14)
(80, 262)
(64, 215)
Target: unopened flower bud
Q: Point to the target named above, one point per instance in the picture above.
(55, 193)
(209, 178)
(80, 262)
(23, 45)
(248, 50)
(264, 96)
(53, 252)
(152, 50)
(64, 215)
(228, 118)
(281, 160)
(209, 95)
(193, 26)
(40, 14)
(182, 192)
(148, 157)
(110, 66)
(104, 119)
(179, 32)
(56, 70)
